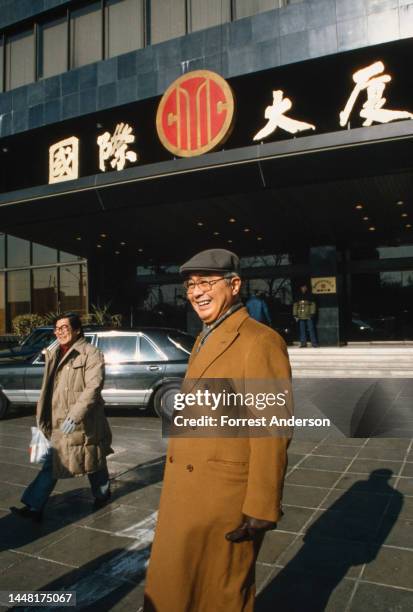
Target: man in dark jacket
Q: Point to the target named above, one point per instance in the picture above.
(304, 311)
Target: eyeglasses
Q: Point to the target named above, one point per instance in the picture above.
(204, 285)
(61, 329)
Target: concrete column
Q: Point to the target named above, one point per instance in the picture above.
(323, 262)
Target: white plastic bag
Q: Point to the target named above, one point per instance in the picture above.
(38, 446)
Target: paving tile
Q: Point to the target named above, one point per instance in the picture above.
(331, 450)
(17, 473)
(301, 446)
(146, 497)
(390, 566)
(117, 519)
(294, 518)
(313, 477)
(395, 531)
(343, 441)
(366, 466)
(304, 593)
(84, 546)
(357, 503)
(373, 484)
(407, 470)
(262, 574)
(377, 598)
(340, 525)
(300, 495)
(33, 575)
(275, 542)
(405, 486)
(7, 559)
(337, 464)
(380, 452)
(389, 443)
(325, 556)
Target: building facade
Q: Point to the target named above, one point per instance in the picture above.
(308, 178)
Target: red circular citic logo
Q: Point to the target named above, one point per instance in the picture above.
(195, 113)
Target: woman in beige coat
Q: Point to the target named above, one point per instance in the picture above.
(70, 413)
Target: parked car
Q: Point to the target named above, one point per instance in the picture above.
(143, 368)
(31, 345)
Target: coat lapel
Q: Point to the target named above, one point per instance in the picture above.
(218, 342)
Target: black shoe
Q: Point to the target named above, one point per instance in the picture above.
(303, 346)
(101, 501)
(28, 513)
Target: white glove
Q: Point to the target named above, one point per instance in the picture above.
(68, 426)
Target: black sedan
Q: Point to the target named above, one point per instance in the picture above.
(142, 368)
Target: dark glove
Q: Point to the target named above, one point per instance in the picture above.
(249, 529)
(68, 426)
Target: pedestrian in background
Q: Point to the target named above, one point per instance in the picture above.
(304, 311)
(258, 309)
(70, 413)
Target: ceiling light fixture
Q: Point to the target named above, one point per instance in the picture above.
(400, 203)
(372, 228)
(122, 243)
(117, 252)
(259, 237)
(78, 238)
(232, 220)
(230, 241)
(200, 223)
(359, 206)
(216, 233)
(247, 229)
(140, 250)
(408, 225)
(103, 235)
(365, 218)
(404, 215)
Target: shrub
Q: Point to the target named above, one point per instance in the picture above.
(24, 324)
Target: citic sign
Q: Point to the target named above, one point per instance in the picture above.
(195, 113)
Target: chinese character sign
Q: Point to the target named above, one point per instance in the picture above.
(64, 160)
(275, 114)
(115, 147)
(371, 80)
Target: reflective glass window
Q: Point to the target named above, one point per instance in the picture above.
(1, 64)
(168, 19)
(208, 14)
(2, 303)
(53, 48)
(246, 8)
(86, 35)
(43, 254)
(18, 293)
(66, 257)
(20, 59)
(18, 252)
(118, 349)
(124, 26)
(147, 352)
(73, 288)
(2, 251)
(44, 290)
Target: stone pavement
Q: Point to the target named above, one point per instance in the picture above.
(344, 544)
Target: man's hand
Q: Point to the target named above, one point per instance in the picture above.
(249, 529)
(68, 426)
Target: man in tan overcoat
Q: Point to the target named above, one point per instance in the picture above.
(219, 494)
(70, 413)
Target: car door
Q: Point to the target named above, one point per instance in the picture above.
(121, 359)
(152, 364)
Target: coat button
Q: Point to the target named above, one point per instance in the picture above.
(171, 459)
(190, 468)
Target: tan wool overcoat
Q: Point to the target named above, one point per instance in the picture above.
(75, 391)
(210, 482)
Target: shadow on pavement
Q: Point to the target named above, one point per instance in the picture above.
(348, 534)
(102, 583)
(67, 508)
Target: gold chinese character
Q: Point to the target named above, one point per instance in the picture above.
(116, 147)
(368, 79)
(64, 160)
(276, 118)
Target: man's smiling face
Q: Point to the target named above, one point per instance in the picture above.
(212, 301)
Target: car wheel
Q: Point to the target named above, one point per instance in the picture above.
(163, 400)
(4, 405)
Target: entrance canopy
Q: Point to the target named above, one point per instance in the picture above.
(338, 188)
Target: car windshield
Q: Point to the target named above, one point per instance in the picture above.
(182, 342)
(39, 337)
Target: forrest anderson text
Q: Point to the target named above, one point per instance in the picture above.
(262, 421)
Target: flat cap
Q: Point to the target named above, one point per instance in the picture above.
(212, 260)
